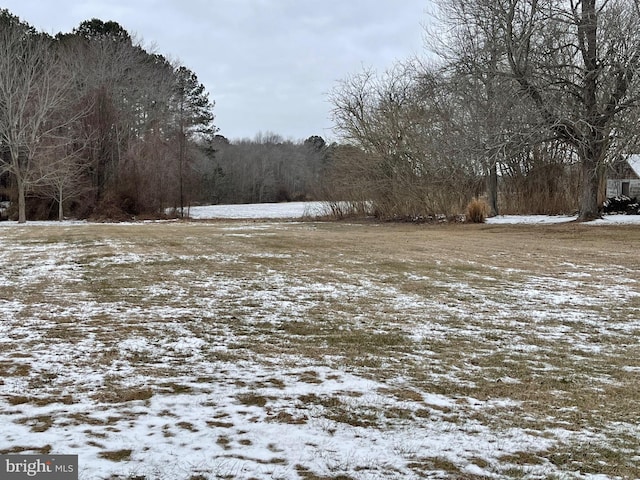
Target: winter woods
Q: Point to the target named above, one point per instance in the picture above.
(95, 122)
(525, 102)
(94, 125)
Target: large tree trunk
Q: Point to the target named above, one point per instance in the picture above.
(589, 206)
(591, 148)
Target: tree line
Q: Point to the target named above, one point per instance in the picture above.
(92, 124)
(525, 103)
(266, 168)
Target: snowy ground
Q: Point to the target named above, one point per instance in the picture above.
(550, 219)
(259, 210)
(309, 210)
(297, 210)
(301, 350)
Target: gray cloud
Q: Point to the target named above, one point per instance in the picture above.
(267, 64)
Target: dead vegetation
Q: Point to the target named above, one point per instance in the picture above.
(492, 332)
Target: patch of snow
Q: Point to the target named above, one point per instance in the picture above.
(475, 470)
(553, 219)
(529, 219)
(258, 210)
(617, 220)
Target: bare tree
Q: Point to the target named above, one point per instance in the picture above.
(402, 122)
(34, 85)
(570, 72)
(60, 170)
(577, 62)
(472, 56)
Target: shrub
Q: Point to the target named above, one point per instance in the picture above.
(477, 211)
(621, 204)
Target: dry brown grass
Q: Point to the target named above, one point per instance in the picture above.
(538, 317)
(117, 455)
(477, 211)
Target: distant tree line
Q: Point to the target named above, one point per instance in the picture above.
(266, 168)
(523, 103)
(94, 125)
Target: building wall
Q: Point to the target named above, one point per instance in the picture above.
(615, 188)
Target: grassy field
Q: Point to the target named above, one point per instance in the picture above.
(323, 350)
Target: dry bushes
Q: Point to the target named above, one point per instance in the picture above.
(543, 182)
(362, 183)
(477, 211)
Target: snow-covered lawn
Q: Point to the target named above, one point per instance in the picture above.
(316, 350)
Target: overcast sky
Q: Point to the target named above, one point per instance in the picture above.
(267, 64)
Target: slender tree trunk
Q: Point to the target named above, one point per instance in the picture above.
(60, 209)
(22, 204)
(492, 189)
(492, 122)
(181, 155)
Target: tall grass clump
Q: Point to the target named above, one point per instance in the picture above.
(477, 211)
